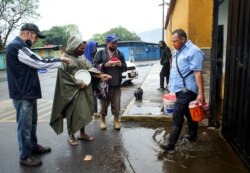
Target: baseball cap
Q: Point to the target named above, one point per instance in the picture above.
(111, 38)
(34, 28)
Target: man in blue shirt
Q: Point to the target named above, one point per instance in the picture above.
(186, 82)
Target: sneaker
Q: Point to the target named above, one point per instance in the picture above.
(167, 147)
(41, 150)
(30, 162)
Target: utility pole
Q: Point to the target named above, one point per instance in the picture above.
(163, 16)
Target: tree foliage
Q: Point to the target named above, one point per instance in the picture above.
(122, 33)
(13, 13)
(58, 35)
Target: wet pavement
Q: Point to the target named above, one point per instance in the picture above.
(209, 153)
(133, 149)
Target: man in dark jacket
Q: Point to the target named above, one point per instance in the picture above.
(24, 89)
(165, 54)
(111, 61)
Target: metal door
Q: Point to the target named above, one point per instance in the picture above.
(236, 110)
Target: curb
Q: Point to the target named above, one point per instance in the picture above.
(126, 117)
(138, 116)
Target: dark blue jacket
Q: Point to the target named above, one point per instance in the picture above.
(22, 65)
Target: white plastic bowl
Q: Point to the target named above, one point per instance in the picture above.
(83, 75)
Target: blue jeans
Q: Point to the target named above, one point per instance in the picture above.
(26, 117)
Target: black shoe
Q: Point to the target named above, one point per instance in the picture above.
(30, 162)
(167, 147)
(167, 90)
(190, 137)
(41, 150)
(160, 89)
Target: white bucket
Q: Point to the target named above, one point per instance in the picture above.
(168, 103)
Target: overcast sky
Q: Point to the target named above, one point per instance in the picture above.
(98, 16)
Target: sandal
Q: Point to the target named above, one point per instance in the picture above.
(72, 140)
(85, 137)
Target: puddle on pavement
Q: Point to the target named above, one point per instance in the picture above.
(210, 153)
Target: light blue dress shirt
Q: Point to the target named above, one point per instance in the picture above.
(189, 58)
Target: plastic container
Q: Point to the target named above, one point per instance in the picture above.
(114, 59)
(206, 110)
(168, 103)
(83, 75)
(196, 110)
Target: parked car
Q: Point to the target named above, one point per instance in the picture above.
(131, 72)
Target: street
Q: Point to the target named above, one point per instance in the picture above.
(133, 149)
(107, 148)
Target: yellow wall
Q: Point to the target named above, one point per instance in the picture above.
(200, 22)
(179, 19)
(195, 17)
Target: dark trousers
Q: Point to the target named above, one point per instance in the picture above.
(179, 111)
(165, 71)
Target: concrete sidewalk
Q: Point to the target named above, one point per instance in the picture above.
(149, 109)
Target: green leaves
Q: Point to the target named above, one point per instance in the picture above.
(122, 33)
(58, 35)
(13, 13)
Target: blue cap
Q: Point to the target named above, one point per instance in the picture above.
(111, 38)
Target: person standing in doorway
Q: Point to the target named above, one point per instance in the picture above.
(111, 61)
(186, 82)
(165, 61)
(24, 89)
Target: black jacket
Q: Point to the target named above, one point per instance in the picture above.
(22, 65)
(165, 54)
